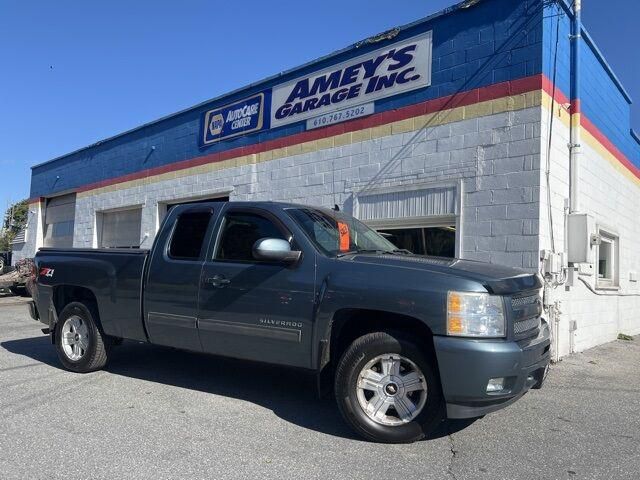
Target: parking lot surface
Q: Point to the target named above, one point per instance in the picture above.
(159, 413)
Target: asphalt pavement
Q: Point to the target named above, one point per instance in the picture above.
(158, 413)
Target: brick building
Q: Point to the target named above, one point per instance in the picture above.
(454, 135)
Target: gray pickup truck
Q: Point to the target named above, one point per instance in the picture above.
(402, 340)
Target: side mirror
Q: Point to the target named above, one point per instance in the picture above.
(275, 250)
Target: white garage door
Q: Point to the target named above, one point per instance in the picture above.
(121, 229)
(59, 218)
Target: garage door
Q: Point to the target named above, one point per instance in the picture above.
(59, 218)
(121, 229)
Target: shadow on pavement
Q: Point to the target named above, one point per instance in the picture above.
(291, 394)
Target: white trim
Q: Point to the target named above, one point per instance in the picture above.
(611, 237)
(163, 202)
(413, 222)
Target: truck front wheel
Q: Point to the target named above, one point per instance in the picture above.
(387, 389)
(79, 343)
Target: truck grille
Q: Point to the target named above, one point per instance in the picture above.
(526, 316)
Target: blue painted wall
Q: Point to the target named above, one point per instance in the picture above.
(603, 100)
(473, 46)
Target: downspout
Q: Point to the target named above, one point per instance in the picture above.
(575, 137)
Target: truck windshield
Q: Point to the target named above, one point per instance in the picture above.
(336, 233)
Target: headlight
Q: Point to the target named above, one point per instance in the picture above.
(475, 315)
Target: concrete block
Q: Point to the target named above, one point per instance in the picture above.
(523, 210)
(492, 212)
(520, 243)
(510, 259)
(450, 143)
(464, 127)
(413, 164)
(524, 147)
(491, 244)
(506, 227)
(478, 138)
(523, 179)
(492, 182)
(494, 121)
(478, 198)
(508, 165)
(477, 256)
(511, 195)
(473, 228)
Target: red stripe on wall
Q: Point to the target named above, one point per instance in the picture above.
(595, 132)
(470, 97)
(491, 92)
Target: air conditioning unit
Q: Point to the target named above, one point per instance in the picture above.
(581, 236)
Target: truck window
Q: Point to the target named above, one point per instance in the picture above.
(188, 236)
(240, 231)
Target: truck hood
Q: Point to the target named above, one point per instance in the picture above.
(497, 279)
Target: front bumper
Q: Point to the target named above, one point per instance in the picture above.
(466, 365)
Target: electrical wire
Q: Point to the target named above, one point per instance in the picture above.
(614, 294)
(549, 145)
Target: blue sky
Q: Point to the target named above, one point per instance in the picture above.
(74, 72)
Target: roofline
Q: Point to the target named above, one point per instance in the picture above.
(458, 6)
(598, 54)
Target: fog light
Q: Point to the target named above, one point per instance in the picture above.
(495, 385)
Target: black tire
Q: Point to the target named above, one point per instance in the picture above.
(356, 357)
(96, 354)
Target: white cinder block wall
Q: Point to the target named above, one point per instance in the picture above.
(495, 159)
(614, 201)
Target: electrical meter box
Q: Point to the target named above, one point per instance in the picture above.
(581, 235)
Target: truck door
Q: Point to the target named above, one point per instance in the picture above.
(173, 278)
(257, 310)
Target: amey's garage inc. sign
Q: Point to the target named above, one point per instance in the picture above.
(394, 69)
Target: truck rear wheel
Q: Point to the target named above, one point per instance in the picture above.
(387, 389)
(79, 343)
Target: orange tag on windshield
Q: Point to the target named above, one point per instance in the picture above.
(345, 240)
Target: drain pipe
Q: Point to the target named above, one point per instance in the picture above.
(575, 147)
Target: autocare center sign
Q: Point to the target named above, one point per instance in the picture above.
(337, 93)
(234, 119)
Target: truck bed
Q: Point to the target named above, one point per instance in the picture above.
(114, 274)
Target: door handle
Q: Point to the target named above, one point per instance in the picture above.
(218, 281)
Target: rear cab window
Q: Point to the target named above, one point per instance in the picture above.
(189, 235)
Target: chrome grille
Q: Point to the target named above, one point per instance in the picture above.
(526, 315)
(522, 301)
(526, 325)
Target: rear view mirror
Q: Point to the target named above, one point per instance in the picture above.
(275, 250)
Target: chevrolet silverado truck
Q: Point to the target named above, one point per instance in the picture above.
(401, 340)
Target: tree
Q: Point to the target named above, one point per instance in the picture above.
(15, 219)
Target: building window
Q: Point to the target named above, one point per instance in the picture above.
(607, 261)
(120, 229)
(423, 219)
(435, 241)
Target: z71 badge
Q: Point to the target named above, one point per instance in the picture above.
(46, 272)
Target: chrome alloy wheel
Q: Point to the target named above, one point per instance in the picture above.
(75, 338)
(391, 390)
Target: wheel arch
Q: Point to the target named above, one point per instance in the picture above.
(63, 295)
(348, 324)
